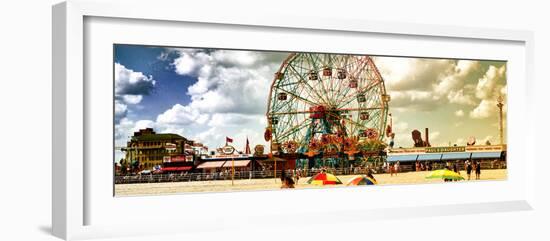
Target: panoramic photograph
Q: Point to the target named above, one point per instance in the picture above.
(194, 120)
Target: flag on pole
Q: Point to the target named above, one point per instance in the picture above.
(228, 140)
(247, 148)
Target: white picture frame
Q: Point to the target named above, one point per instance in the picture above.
(72, 193)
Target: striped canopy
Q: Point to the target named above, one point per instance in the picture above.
(361, 180)
(324, 179)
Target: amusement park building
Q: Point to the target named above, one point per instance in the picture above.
(484, 154)
(151, 149)
(224, 162)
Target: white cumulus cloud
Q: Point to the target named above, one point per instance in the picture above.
(488, 89)
(228, 81)
(129, 82)
(182, 115)
(130, 86)
(458, 97)
(132, 99)
(229, 96)
(484, 110)
(487, 85)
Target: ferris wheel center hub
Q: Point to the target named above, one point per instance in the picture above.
(317, 112)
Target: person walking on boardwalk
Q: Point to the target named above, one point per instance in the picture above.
(455, 168)
(478, 170)
(396, 167)
(468, 169)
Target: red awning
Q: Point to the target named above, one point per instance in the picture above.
(236, 163)
(175, 169)
(210, 164)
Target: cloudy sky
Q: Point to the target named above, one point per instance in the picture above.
(206, 95)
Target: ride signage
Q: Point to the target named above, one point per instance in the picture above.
(258, 150)
(445, 149)
(228, 150)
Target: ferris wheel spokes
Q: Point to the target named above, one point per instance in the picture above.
(305, 82)
(325, 94)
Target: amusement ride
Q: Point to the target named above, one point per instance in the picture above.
(323, 108)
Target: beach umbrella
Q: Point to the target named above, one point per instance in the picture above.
(361, 180)
(444, 174)
(324, 179)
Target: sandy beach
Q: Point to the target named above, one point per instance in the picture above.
(267, 184)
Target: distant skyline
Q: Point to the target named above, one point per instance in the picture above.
(208, 94)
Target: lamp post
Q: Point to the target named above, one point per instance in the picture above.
(500, 99)
(133, 143)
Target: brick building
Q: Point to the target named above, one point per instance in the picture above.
(152, 149)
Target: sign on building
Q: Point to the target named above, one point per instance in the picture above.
(170, 146)
(445, 149)
(189, 158)
(178, 158)
(228, 150)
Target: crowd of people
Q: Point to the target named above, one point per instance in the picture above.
(392, 168)
(472, 166)
(421, 166)
(469, 167)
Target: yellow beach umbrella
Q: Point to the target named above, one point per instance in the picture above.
(444, 174)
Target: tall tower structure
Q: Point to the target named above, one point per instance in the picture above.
(500, 99)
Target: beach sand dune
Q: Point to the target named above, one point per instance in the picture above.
(143, 189)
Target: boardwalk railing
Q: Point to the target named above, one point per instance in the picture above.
(240, 175)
